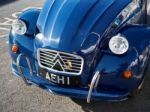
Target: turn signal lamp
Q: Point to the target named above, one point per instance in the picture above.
(127, 74)
(15, 48)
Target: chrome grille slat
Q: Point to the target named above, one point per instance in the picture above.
(75, 64)
(46, 55)
(46, 58)
(46, 61)
(72, 67)
(72, 70)
(65, 56)
(73, 61)
(46, 64)
(60, 62)
(53, 54)
(68, 57)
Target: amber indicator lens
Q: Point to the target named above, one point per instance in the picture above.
(127, 74)
(15, 48)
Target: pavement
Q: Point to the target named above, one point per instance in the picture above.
(15, 96)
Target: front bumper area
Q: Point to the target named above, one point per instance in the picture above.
(30, 77)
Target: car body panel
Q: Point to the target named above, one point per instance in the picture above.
(84, 28)
(65, 14)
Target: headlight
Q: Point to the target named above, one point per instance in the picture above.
(118, 44)
(19, 27)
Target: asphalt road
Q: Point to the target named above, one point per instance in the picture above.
(15, 96)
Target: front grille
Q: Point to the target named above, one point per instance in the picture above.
(60, 62)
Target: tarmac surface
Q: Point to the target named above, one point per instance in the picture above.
(15, 96)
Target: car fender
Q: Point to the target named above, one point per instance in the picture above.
(112, 66)
(30, 17)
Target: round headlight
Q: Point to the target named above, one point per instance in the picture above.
(118, 44)
(19, 27)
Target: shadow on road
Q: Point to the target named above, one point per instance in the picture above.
(4, 2)
(140, 103)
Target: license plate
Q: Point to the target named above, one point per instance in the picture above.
(66, 80)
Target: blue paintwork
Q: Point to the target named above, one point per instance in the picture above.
(67, 26)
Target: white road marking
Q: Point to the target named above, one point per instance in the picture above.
(5, 29)
(8, 22)
(31, 8)
(16, 14)
(3, 36)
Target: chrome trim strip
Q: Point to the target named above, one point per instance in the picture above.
(126, 15)
(97, 81)
(128, 12)
(20, 70)
(93, 85)
(62, 53)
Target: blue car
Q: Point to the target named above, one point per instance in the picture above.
(87, 49)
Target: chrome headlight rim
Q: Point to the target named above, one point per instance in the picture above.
(118, 41)
(19, 27)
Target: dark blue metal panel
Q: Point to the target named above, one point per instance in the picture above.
(136, 59)
(30, 17)
(65, 29)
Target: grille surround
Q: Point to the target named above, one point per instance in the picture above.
(48, 59)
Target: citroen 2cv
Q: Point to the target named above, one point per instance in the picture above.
(87, 49)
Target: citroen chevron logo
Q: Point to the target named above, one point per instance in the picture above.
(58, 63)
